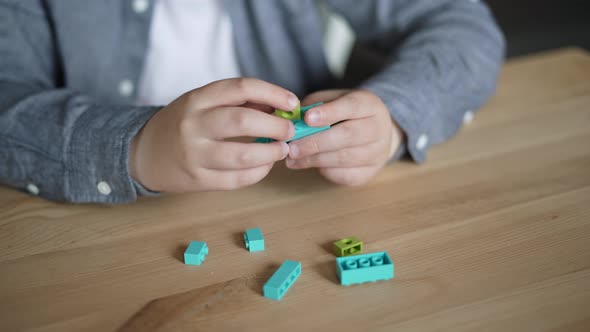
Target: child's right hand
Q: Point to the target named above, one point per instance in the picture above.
(182, 146)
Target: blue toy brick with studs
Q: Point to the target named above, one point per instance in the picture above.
(195, 253)
(254, 240)
(283, 278)
(364, 268)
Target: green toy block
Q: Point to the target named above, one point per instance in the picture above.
(348, 246)
(195, 253)
(364, 268)
(301, 128)
(293, 115)
(254, 240)
(283, 278)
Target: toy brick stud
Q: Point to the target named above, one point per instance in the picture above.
(348, 246)
(254, 240)
(195, 253)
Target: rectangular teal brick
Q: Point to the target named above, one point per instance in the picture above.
(254, 240)
(364, 268)
(283, 278)
(195, 253)
(303, 130)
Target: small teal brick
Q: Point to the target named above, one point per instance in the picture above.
(283, 278)
(364, 268)
(254, 240)
(195, 253)
(301, 128)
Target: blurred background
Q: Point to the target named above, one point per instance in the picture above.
(538, 25)
(529, 26)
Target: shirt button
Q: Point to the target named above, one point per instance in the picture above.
(33, 189)
(140, 6)
(104, 188)
(468, 117)
(126, 88)
(422, 142)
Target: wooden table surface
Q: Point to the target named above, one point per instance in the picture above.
(491, 234)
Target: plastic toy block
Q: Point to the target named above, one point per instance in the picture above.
(195, 253)
(293, 115)
(348, 246)
(253, 240)
(364, 268)
(301, 128)
(280, 282)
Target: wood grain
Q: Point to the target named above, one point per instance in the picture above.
(491, 234)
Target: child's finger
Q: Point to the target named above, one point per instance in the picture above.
(232, 155)
(228, 122)
(211, 180)
(359, 156)
(344, 135)
(350, 106)
(323, 96)
(350, 176)
(238, 91)
(259, 107)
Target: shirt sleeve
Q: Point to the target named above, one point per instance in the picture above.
(54, 141)
(443, 61)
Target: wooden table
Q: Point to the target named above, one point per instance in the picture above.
(491, 234)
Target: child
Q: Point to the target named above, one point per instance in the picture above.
(80, 85)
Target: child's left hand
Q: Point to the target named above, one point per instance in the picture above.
(353, 151)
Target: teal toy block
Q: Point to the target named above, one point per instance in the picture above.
(364, 268)
(301, 128)
(254, 240)
(195, 253)
(283, 278)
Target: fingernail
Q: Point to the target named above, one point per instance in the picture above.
(313, 117)
(290, 162)
(294, 151)
(293, 101)
(285, 147)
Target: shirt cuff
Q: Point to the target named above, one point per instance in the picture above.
(412, 120)
(97, 157)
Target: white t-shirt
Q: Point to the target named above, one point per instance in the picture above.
(191, 45)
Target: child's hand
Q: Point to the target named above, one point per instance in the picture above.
(182, 147)
(353, 151)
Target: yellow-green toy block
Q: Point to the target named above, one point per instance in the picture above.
(348, 246)
(293, 115)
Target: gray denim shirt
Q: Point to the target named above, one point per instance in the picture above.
(68, 70)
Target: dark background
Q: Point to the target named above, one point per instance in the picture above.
(529, 26)
(538, 25)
